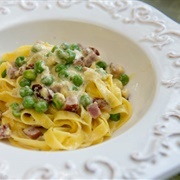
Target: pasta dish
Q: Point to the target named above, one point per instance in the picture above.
(60, 97)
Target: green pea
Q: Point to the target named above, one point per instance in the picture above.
(77, 80)
(16, 113)
(20, 61)
(65, 46)
(28, 102)
(68, 56)
(3, 74)
(25, 82)
(71, 56)
(63, 74)
(61, 54)
(41, 106)
(15, 109)
(85, 100)
(25, 91)
(60, 67)
(124, 78)
(36, 48)
(30, 74)
(115, 117)
(39, 66)
(54, 48)
(57, 102)
(15, 106)
(74, 47)
(101, 64)
(47, 80)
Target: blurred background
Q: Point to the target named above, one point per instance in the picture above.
(172, 9)
(169, 7)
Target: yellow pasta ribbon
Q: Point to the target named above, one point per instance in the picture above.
(21, 51)
(31, 117)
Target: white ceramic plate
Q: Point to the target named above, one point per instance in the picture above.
(130, 33)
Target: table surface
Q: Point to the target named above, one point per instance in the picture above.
(172, 9)
(169, 7)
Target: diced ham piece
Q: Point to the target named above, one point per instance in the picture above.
(32, 132)
(94, 110)
(11, 72)
(84, 50)
(89, 59)
(95, 51)
(43, 92)
(79, 62)
(5, 131)
(116, 70)
(102, 104)
(71, 104)
(46, 94)
(20, 71)
(56, 87)
(29, 66)
(90, 55)
(37, 88)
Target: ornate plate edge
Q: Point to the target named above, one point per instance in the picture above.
(162, 134)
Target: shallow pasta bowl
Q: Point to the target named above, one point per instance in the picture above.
(126, 32)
